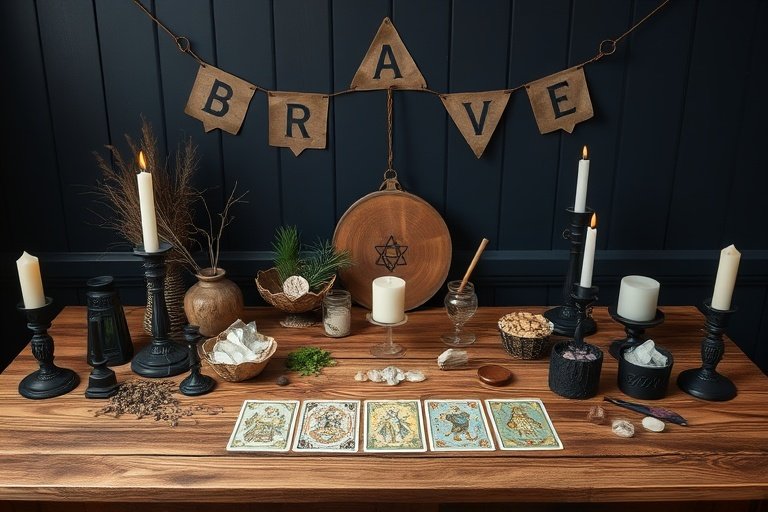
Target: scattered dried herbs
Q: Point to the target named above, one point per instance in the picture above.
(309, 360)
(152, 399)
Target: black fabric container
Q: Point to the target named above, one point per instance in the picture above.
(643, 382)
(574, 379)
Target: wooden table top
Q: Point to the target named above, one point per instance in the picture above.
(56, 449)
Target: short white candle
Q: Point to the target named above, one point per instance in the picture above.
(726, 278)
(147, 204)
(580, 204)
(589, 254)
(388, 305)
(31, 281)
(638, 298)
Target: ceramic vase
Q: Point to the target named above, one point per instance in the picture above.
(214, 302)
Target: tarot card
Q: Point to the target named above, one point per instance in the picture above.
(523, 425)
(457, 425)
(328, 426)
(264, 426)
(393, 426)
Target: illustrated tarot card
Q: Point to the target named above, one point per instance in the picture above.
(523, 425)
(264, 426)
(394, 426)
(457, 425)
(328, 426)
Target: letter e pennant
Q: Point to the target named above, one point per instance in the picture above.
(219, 100)
(560, 100)
(388, 63)
(298, 120)
(476, 115)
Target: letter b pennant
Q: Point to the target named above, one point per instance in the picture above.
(560, 101)
(219, 100)
(298, 120)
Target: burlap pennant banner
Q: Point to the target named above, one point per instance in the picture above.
(298, 120)
(560, 101)
(476, 115)
(388, 63)
(219, 99)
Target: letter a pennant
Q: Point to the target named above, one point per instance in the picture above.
(560, 101)
(298, 120)
(388, 63)
(219, 100)
(476, 115)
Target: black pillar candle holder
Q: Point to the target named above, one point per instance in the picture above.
(197, 383)
(635, 331)
(705, 382)
(163, 357)
(574, 365)
(102, 382)
(566, 316)
(50, 380)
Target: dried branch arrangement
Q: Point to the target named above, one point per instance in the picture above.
(175, 201)
(174, 194)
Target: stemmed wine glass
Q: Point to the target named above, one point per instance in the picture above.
(461, 305)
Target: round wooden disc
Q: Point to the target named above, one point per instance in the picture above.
(392, 232)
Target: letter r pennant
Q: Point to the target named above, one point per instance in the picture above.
(219, 100)
(560, 101)
(298, 120)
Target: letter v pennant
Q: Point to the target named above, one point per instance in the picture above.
(476, 115)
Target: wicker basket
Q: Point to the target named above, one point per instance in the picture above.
(521, 347)
(271, 290)
(236, 372)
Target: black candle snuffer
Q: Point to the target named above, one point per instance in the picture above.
(196, 383)
(575, 365)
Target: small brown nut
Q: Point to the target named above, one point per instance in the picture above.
(525, 325)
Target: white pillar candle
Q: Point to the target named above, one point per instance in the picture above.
(580, 204)
(638, 298)
(31, 282)
(589, 254)
(726, 278)
(388, 305)
(147, 203)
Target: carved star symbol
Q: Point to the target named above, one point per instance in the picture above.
(391, 254)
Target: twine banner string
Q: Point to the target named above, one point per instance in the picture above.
(605, 48)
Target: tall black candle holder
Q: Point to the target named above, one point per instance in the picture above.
(163, 357)
(566, 316)
(50, 380)
(635, 331)
(575, 365)
(705, 382)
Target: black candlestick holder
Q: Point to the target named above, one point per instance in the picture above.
(102, 382)
(163, 357)
(635, 331)
(566, 316)
(705, 382)
(197, 383)
(575, 365)
(50, 380)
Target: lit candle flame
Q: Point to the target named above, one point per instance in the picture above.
(142, 161)
(593, 222)
(584, 154)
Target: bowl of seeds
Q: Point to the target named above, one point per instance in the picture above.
(525, 335)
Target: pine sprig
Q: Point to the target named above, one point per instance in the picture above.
(287, 247)
(324, 261)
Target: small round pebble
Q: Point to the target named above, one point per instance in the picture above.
(596, 415)
(623, 428)
(282, 381)
(653, 424)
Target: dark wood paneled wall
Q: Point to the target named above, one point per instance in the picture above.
(677, 142)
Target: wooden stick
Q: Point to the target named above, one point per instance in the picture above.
(472, 265)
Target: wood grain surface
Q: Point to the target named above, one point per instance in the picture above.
(56, 449)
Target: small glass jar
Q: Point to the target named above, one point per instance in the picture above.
(460, 306)
(337, 313)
